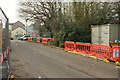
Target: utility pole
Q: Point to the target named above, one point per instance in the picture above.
(26, 26)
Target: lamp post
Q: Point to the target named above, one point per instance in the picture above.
(26, 25)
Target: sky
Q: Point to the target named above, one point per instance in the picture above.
(10, 7)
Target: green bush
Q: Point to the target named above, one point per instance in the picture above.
(34, 39)
(61, 45)
(54, 42)
(40, 39)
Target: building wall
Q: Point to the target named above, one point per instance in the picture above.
(10, 27)
(100, 34)
(17, 29)
(95, 39)
(103, 34)
(114, 32)
(18, 33)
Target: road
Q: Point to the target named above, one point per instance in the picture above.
(35, 60)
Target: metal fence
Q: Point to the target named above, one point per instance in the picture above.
(4, 45)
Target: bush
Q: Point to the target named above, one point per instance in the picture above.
(40, 39)
(54, 42)
(61, 45)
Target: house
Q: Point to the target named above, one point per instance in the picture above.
(17, 29)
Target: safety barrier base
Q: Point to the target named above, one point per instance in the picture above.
(94, 57)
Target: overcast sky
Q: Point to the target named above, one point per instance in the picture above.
(9, 7)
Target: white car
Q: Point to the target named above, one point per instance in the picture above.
(24, 37)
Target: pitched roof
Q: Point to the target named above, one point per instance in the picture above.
(17, 25)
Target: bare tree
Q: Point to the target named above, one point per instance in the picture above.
(44, 12)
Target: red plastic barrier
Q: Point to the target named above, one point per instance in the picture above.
(38, 39)
(70, 45)
(1, 58)
(115, 53)
(7, 52)
(9, 49)
(30, 39)
(4, 55)
(44, 40)
(83, 47)
(49, 38)
(102, 51)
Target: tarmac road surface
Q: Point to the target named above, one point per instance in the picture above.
(33, 60)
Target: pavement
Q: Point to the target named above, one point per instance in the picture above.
(33, 60)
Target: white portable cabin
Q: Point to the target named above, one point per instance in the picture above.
(103, 34)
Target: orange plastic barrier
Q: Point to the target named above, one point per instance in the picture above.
(38, 39)
(49, 38)
(30, 39)
(102, 51)
(115, 53)
(83, 47)
(70, 45)
(44, 40)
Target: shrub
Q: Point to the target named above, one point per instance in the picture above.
(61, 45)
(40, 39)
(54, 42)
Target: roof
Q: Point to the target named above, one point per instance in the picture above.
(17, 25)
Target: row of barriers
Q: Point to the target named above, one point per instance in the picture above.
(38, 39)
(101, 51)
